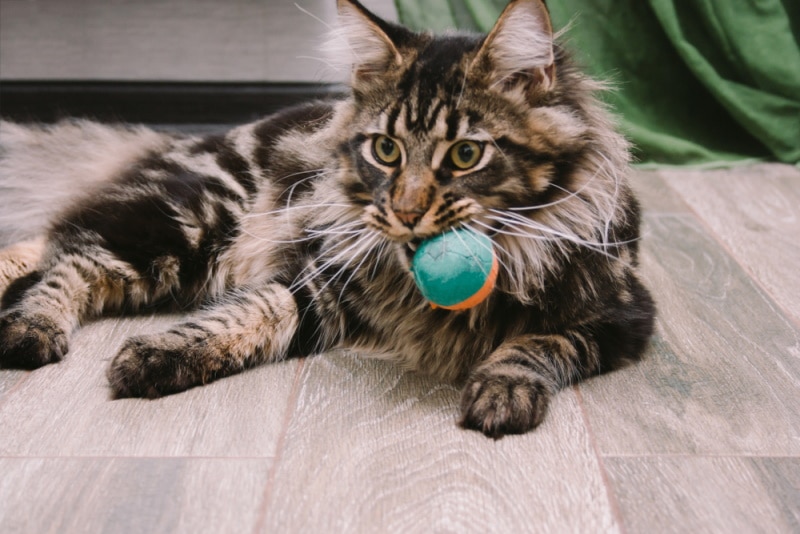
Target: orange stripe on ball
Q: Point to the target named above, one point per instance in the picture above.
(479, 295)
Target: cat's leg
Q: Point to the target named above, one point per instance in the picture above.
(246, 328)
(75, 283)
(510, 391)
(35, 330)
(19, 261)
(150, 236)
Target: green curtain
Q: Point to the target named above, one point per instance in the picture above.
(695, 81)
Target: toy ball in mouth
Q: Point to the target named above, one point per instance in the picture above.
(455, 270)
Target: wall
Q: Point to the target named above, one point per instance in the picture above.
(168, 40)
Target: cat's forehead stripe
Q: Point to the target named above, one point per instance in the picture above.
(400, 122)
(453, 121)
(440, 121)
(422, 95)
(439, 128)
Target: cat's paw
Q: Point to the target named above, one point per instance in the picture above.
(30, 341)
(154, 366)
(498, 404)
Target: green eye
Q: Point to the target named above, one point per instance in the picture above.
(386, 150)
(465, 154)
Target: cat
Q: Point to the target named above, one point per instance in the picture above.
(293, 235)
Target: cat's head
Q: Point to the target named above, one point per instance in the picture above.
(460, 128)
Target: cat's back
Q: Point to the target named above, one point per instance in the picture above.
(44, 168)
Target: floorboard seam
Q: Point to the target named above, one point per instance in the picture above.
(610, 495)
(250, 458)
(291, 404)
(702, 455)
(721, 242)
(130, 457)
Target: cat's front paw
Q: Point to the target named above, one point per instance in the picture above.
(498, 404)
(30, 341)
(156, 365)
(146, 366)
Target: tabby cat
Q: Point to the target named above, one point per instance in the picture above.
(293, 235)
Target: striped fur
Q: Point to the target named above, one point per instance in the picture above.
(293, 235)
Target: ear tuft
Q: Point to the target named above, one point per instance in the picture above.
(371, 51)
(519, 49)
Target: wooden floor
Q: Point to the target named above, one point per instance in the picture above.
(704, 436)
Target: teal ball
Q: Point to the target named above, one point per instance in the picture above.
(455, 270)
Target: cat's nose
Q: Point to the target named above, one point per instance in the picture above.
(409, 218)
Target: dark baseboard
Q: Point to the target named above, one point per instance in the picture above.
(153, 102)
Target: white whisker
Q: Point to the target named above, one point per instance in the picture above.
(521, 224)
(321, 60)
(316, 232)
(297, 207)
(499, 150)
(313, 16)
(515, 234)
(318, 173)
(309, 273)
(522, 228)
(570, 195)
(614, 198)
(313, 233)
(378, 254)
(493, 245)
(463, 86)
(317, 270)
(277, 241)
(362, 244)
(370, 241)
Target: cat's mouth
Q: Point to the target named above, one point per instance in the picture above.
(412, 245)
(410, 248)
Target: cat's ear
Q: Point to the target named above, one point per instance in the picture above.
(371, 50)
(519, 49)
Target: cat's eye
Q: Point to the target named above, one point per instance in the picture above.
(386, 150)
(465, 154)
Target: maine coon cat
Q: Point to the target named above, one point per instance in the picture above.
(293, 235)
